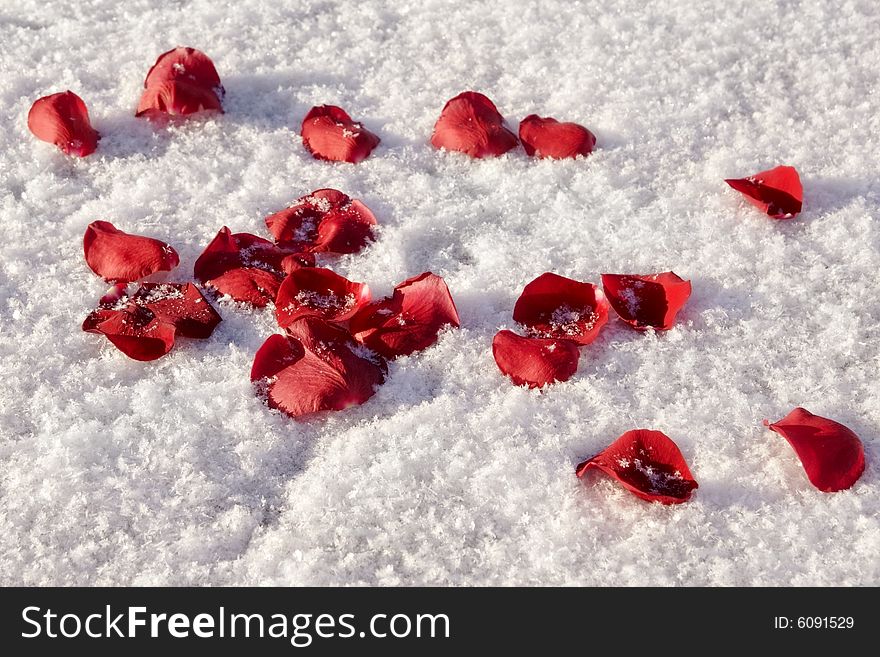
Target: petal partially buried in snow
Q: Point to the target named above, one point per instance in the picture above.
(832, 455)
(648, 464)
(329, 133)
(647, 301)
(62, 119)
(777, 192)
(316, 367)
(325, 221)
(118, 256)
(552, 306)
(408, 321)
(137, 332)
(547, 137)
(182, 81)
(534, 362)
(470, 123)
(318, 292)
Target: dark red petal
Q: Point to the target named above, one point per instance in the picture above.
(410, 320)
(328, 133)
(112, 301)
(316, 368)
(114, 295)
(470, 123)
(182, 81)
(62, 119)
(257, 287)
(552, 306)
(534, 361)
(180, 304)
(832, 455)
(135, 331)
(649, 301)
(96, 317)
(244, 266)
(648, 464)
(291, 263)
(318, 292)
(547, 137)
(325, 221)
(118, 256)
(777, 192)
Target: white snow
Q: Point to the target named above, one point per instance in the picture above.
(175, 472)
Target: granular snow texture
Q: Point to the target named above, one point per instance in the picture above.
(174, 472)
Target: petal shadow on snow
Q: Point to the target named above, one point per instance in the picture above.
(269, 100)
(826, 194)
(123, 135)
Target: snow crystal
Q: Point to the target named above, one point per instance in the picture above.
(328, 302)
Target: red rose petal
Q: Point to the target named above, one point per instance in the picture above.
(325, 221)
(534, 361)
(246, 267)
(648, 464)
(144, 325)
(182, 81)
(180, 304)
(832, 455)
(134, 330)
(777, 192)
(329, 133)
(184, 64)
(410, 320)
(552, 306)
(315, 368)
(118, 256)
(177, 99)
(62, 119)
(470, 123)
(547, 137)
(650, 301)
(318, 292)
(257, 287)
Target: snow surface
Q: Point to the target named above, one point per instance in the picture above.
(173, 472)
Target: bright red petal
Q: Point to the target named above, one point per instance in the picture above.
(410, 320)
(470, 123)
(648, 464)
(534, 361)
(552, 306)
(118, 256)
(182, 81)
(177, 99)
(136, 332)
(184, 64)
(318, 292)
(777, 192)
(246, 267)
(325, 221)
(329, 134)
(316, 368)
(547, 137)
(832, 455)
(180, 304)
(62, 119)
(650, 301)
